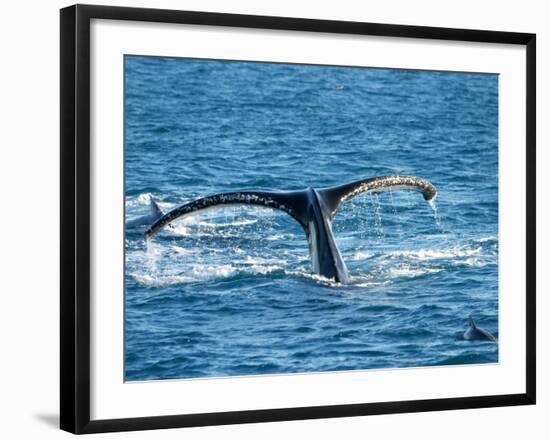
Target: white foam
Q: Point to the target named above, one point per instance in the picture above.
(257, 260)
(159, 278)
(370, 284)
(151, 280)
(488, 238)
(205, 272)
(317, 277)
(429, 254)
(144, 199)
(473, 262)
(179, 251)
(361, 256)
(264, 269)
(179, 229)
(412, 271)
(276, 237)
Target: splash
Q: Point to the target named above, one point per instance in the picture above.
(152, 252)
(318, 278)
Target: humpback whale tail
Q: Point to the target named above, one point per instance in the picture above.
(334, 196)
(313, 209)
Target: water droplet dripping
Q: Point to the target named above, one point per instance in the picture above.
(396, 215)
(437, 217)
(377, 215)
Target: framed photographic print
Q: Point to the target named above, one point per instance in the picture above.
(267, 218)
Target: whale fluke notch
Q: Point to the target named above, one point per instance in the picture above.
(313, 209)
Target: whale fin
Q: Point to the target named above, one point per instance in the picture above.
(293, 203)
(155, 209)
(333, 197)
(476, 333)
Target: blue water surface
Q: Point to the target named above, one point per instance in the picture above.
(230, 292)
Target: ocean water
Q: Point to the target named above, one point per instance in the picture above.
(230, 292)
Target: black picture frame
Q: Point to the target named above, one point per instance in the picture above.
(75, 217)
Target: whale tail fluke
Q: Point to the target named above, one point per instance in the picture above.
(313, 209)
(294, 203)
(334, 196)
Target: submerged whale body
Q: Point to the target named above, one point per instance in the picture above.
(155, 213)
(476, 333)
(313, 209)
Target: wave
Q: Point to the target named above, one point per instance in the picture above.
(199, 229)
(380, 278)
(159, 265)
(153, 280)
(203, 272)
(258, 260)
(475, 254)
(412, 271)
(361, 256)
(140, 200)
(276, 237)
(431, 254)
(144, 199)
(487, 239)
(194, 265)
(197, 273)
(163, 263)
